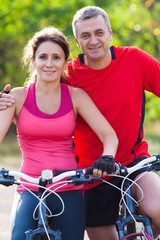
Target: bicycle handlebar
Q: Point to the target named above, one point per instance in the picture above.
(78, 176)
(7, 177)
(153, 163)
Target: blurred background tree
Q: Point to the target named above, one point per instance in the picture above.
(134, 22)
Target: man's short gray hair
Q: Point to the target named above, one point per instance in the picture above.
(87, 13)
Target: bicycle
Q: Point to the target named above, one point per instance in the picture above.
(43, 232)
(131, 225)
(125, 224)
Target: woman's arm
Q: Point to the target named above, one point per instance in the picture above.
(84, 106)
(6, 118)
(9, 115)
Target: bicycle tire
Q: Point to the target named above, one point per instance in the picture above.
(134, 236)
(40, 234)
(42, 237)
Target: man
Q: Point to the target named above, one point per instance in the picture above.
(115, 78)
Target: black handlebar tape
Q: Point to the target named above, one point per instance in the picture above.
(4, 91)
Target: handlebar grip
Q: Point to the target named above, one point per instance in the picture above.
(5, 179)
(116, 170)
(5, 91)
(89, 170)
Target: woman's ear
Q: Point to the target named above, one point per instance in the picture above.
(65, 70)
(33, 64)
(66, 65)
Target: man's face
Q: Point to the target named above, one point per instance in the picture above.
(93, 37)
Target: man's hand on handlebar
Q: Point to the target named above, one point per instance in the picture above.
(103, 165)
(6, 100)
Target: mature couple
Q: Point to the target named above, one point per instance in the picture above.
(115, 78)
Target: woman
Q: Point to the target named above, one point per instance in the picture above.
(45, 112)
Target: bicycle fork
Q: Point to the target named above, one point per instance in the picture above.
(126, 226)
(42, 226)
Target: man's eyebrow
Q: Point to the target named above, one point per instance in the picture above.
(99, 29)
(84, 33)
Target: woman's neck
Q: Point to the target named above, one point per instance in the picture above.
(47, 88)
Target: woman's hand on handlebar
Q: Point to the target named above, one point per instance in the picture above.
(6, 100)
(103, 166)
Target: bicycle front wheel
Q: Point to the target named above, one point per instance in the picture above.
(138, 236)
(40, 234)
(43, 237)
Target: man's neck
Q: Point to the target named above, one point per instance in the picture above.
(98, 64)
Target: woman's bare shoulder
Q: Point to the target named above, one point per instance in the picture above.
(18, 94)
(17, 90)
(78, 91)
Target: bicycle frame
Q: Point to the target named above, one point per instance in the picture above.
(126, 226)
(40, 231)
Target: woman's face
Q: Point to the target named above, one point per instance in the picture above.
(49, 62)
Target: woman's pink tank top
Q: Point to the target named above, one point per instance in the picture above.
(45, 140)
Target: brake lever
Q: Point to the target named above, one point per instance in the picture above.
(87, 179)
(156, 165)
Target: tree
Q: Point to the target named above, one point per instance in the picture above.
(134, 22)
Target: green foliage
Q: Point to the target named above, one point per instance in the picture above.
(134, 22)
(137, 22)
(152, 107)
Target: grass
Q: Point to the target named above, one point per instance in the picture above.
(10, 153)
(152, 135)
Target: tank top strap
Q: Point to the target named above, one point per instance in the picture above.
(70, 88)
(26, 91)
(65, 104)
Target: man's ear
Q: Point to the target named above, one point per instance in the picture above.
(111, 35)
(78, 44)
